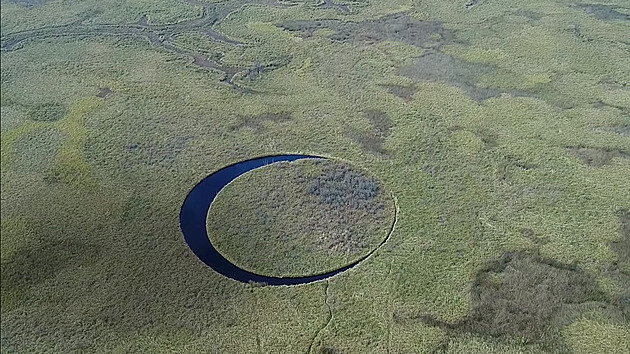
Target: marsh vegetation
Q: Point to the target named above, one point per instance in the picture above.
(501, 127)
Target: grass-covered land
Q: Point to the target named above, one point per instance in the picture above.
(300, 218)
(502, 128)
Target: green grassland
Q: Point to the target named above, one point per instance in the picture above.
(502, 128)
(300, 218)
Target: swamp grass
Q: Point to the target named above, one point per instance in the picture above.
(470, 173)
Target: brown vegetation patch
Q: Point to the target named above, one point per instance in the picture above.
(367, 140)
(525, 297)
(258, 122)
(329, 350)
(305, 28)
(380, 121)
(397, 27)
(531, 235)
(489, 139)
(339, 186)
(348, 195)
(597, 157)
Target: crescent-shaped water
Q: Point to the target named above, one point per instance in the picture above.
(194, 214)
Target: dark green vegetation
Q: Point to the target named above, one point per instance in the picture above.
(620, 270)
(373, 139)
(529, 299)
(597, 157)
(501, 127)
(606, 13)
(35, 265)
(300, 218)
(47, 112)
(396, 27)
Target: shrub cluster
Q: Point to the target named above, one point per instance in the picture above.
(340, 186)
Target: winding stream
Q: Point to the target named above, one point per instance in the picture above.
(194, 214)
(158, 35)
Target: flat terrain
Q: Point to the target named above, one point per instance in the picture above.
(502, 128)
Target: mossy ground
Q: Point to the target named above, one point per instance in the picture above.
(301, 218)
(518, 143)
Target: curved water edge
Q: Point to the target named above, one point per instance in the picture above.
(194, 213)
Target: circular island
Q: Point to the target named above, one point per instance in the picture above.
(300, 219)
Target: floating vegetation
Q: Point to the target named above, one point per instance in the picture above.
(300, 218)
(405, 92)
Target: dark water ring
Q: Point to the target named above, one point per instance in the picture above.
(194, 214)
